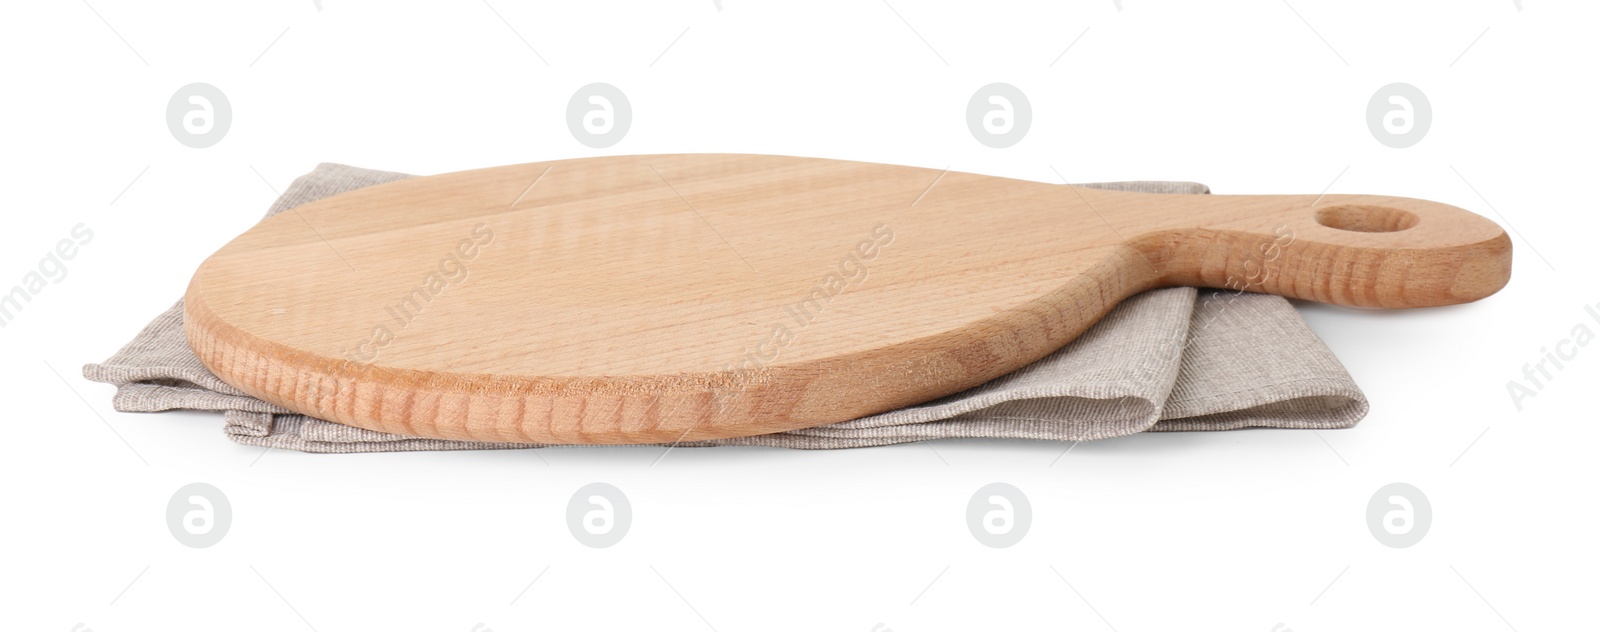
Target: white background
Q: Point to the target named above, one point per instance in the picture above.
(1253, 530)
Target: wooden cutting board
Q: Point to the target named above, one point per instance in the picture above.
(667, 298)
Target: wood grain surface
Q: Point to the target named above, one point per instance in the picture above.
(640, 299)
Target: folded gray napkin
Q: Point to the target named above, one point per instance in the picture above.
(1171, 359)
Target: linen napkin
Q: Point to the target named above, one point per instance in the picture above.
(1176, 359)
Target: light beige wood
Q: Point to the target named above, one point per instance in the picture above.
(682, 297)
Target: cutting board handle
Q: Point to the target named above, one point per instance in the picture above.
(1353, 250)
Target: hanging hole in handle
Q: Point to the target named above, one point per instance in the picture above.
(1366, 219)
